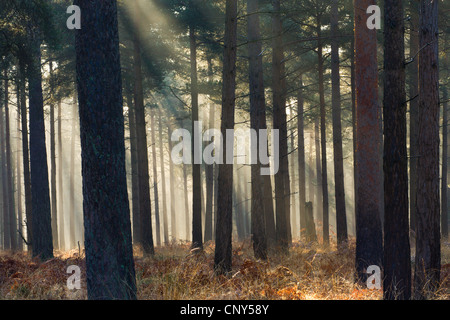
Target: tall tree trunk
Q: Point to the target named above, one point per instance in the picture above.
(173, 224)
(53, 165)
(310, 224)
(134, 168)
(222, 256)
(25, 153)
(282, 188)
(41, 216)
(145, 210)
(444, 182)
(197, 241)
(323, 137)
(209, 168)
(413, 110)
(72, 237)
(319, 195)
(186, 201)
(294, 217)
(301, 159)
(18, 171)
(428, 246)
(369, 247)
(397, 255)
(155, 179)
(62, 241)
(5, 185)
(341, 216)
(163, 181)
(110, 270)
(257, 121)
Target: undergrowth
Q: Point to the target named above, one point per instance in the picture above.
(310, 271)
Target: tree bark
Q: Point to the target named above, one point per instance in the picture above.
(428, 248)
(54, 204)
(110, 270)
(397, 256)
(369, 250)
(444, 183)
(163, 181)
(155, 179)
(282, 188)
(323, 137)
(62, 233)
(41, 216)
(145, 210)
(341, 215)
(301, 160)
(257, 122)
(413, 110)
(223, 250)
(197, 234)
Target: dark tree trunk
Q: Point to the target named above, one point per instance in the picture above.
(53, 165)
(282, 188)
(222, 256)
(62, 241)
(257, 121)
(186, 201)
(5, 189)
(163, 180)
(173, 224)
(18, 171)
(397, 255)
(413, 110)
(155, 179)
(109, 254)
(134, 169)
(41, 216)
(319, 196)
(209, 169)
(369, 247)
(444, 183)
(197, 237)
(145, 210)
(323, 138)
(25, 154)
(72, 238)
(301, 160)
(428, 246)
(341, 216)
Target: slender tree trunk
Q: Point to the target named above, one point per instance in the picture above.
(5, 186)
(25, 154)
(294, 217)
(163, 181)
(145, 210)
(18, 172)
(41, 216)
(369, 248)
(222, 256)
(155, 179)
(282, 188)
(209, 169)
(53, 165)
(428, 247)
(341, 215)
(323, 138)
(444, 182)
(173, 201)
(62, 241)
(134, 169)
(110, 270)
(257, 121)
(197, 241)
(186, 201)
(413, 110)
(397, 255)
(72, 241)
(301, 159)
(319, 196)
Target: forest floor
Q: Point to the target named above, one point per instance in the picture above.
(309, 272)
